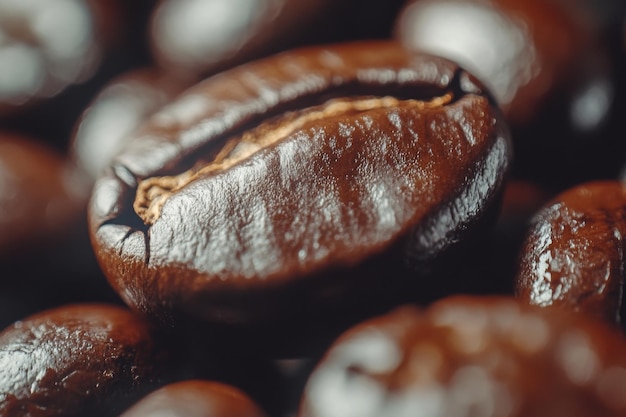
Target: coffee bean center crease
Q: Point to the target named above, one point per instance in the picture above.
(153, 192)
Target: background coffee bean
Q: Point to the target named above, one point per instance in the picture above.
(572, 257)
(77, 359)
(196, 398)
(549, 67)
(464, 355)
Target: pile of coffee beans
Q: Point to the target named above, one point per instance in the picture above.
(301, 208)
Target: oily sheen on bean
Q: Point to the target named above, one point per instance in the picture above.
(573, 257)
(76, 360)
(299, 182)
(469, 356)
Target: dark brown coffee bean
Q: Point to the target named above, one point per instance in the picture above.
(196, 37)
(548, 66)
(472, 357)
(573, 254)
(280, 186)
(521, 49)
(74, 361)
(196, 398)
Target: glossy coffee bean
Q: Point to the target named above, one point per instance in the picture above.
(197, 37)
(548, 66)
(573, 254)
(75, 360)
(195, 398)
(290, 185)
(471, 357)
(521, 49)
(119, 108)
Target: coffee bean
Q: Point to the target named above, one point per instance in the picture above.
(75, 360)
(299, 183)
(548, 66)
(463, 356)
(573, 254)
(196, 398)
(195, 38)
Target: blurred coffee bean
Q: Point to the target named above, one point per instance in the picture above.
(195, 398)
(572, 256)
(547, 65)
(199, 37)
(471, 356)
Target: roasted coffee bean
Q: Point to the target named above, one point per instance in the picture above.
(313, 301)
(522, 49)
(299, 183)
(472, 357)
(196, 37)
(573, 255)
(115, 112)
(548, 66)
(521, 201)
(196, 398)
(76, 360)
(194, 356)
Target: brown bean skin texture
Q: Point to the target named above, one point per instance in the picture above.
(74, 359)
(355, 179)
(196, 398)
(573, 254)
(468, 356)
